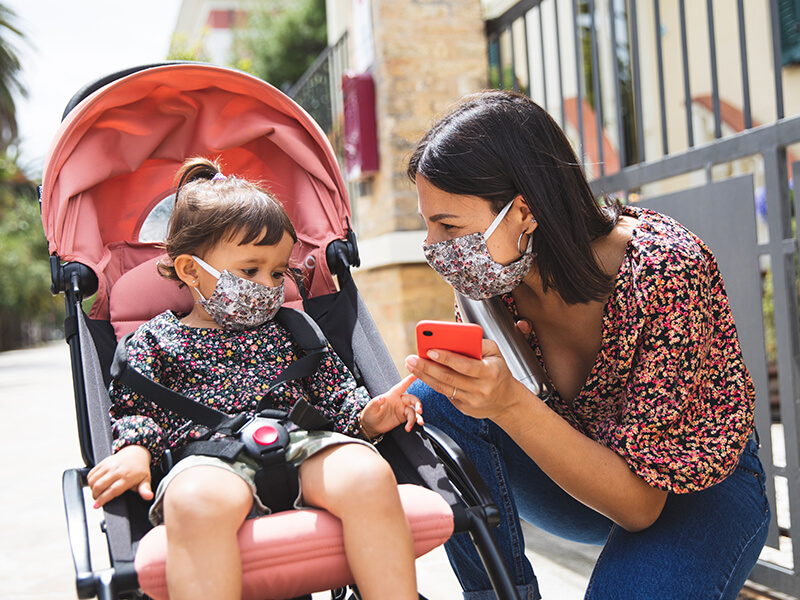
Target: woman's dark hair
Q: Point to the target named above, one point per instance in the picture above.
(496, 145)
(210, 208)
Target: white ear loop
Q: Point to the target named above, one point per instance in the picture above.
(211, 270)
(497, 220)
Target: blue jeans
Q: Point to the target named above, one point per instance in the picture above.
(702, 546)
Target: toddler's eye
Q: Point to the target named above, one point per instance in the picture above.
(250, 272)
(278, 275)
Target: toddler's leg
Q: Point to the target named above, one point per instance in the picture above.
(356, 485)
(204, 507)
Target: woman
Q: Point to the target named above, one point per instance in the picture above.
(646, 444)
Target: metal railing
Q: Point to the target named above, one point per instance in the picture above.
(654, 129)
(590, 53)
(319, 91)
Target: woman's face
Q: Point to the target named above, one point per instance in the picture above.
(448, 216)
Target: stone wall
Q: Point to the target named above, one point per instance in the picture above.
(428, 53)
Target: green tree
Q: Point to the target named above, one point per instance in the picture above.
(181, 49)
(28, 312)
(281, 39)
(10, 84)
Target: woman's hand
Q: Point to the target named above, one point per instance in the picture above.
(588, 471)
(125, 470)
(482, 389)
(391, 409)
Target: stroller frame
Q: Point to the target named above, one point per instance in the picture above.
(427, 457)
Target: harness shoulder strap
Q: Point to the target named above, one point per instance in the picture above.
(303, 329)
(310, 338)
(163, 396)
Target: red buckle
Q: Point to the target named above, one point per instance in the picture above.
(266, 435)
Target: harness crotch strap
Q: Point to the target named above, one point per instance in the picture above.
(264, 437)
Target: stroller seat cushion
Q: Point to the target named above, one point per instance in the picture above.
(298, 552)
(142, 293)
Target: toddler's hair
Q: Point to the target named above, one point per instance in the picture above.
(210, 208)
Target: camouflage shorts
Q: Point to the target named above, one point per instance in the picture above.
(302, 445)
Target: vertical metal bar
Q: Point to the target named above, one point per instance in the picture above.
(544, 62)
(510, 30)
(500, 69)
(712, 44)
(777, 61)
(637, 83)
(560, 74)
(748, 117)
(687, 92)
(787, 336)
(660, 60)
(494, 46)
(598, 97)
(617, 85)
(578, 72)
(528, 56)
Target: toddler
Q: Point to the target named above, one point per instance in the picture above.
(230, 241)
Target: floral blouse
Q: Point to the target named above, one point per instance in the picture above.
(669, 391)
(227, 370)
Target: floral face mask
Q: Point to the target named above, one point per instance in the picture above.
(465, 263)
(237, 303)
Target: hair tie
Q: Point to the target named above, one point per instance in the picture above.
(218, 176)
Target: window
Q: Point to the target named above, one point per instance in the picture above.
(789, 18)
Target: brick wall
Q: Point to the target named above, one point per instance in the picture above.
(428, 53)
(398, 297)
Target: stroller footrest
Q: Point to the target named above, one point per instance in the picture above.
(298, 552)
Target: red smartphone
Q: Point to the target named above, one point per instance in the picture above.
(463, 338)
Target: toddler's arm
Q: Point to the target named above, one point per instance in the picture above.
(125, 470)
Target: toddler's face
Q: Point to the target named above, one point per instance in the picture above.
(266, 265)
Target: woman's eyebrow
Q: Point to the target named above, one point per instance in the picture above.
(439, 217)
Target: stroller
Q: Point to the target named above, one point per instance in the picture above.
(106, 196)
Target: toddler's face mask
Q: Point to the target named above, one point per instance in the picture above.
(237, 303)
(465, 263)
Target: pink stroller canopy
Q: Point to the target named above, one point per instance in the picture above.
(114, 159)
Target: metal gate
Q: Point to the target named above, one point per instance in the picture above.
(680, 105)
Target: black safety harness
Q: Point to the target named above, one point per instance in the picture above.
(263, 437)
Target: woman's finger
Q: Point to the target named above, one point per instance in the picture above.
(525, 328)
(464, 365)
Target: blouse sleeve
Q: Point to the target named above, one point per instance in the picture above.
(688, 400)
(337, 395)
(133, 419)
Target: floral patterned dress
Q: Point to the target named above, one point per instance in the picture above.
(227, 370)
(669, 390)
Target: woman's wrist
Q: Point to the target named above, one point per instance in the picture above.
(520, 411)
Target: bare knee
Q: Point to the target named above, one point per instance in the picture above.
(354, 478)
(208, 496)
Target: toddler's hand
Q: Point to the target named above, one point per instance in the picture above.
(127, 469)
(391, 409)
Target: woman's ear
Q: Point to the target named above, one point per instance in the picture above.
(521, 208)
(186, 269)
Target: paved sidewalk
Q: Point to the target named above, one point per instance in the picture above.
(39, 442)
